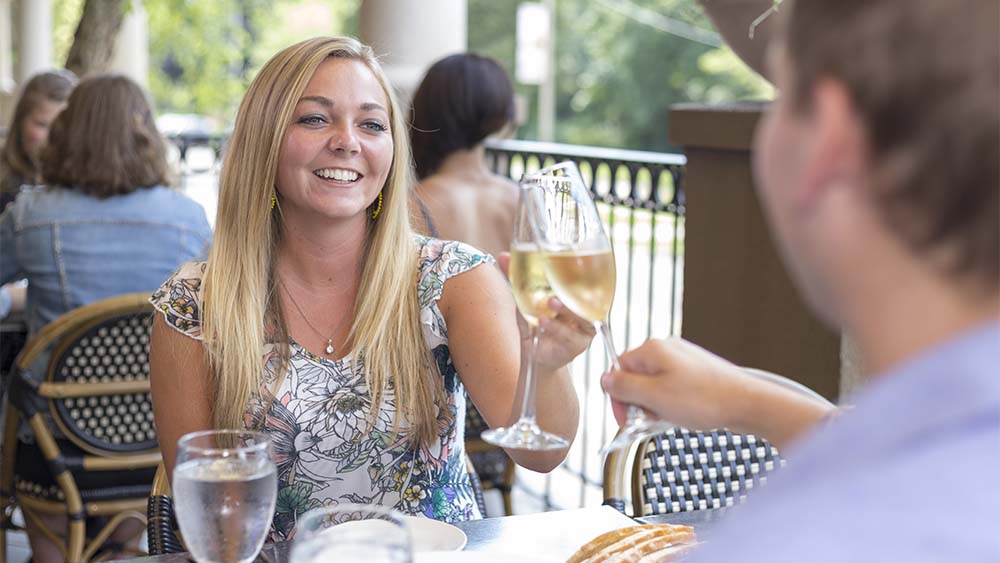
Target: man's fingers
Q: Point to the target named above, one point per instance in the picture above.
(627, 387)
(620, 409)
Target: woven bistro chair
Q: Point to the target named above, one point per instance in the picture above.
(164, 535)
(91, 419)
(493, 466)
(683, 470)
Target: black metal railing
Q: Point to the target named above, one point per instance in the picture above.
(641, 197)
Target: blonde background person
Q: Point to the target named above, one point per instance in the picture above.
(321, 319)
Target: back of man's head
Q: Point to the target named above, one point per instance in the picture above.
(924, 75)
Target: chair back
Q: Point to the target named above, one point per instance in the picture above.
(683, 470)
(493, 468)
(87, 372)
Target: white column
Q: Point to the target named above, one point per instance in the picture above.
(7, 84)
(411, 35)
(34, 38)
(131, 54)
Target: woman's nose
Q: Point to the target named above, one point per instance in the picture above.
(343, 139)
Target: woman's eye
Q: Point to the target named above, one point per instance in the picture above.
(375, 126)
(312, 120)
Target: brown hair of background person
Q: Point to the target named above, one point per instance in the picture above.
(463, 99)
(938, 173)
(105, 142)
(19, 161)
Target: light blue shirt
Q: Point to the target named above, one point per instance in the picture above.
(75, 249)
(911, 474)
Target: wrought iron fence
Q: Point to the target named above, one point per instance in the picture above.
(641, 197)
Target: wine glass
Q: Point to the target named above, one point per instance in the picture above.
(580, 265)
(532, 293)
(225, 486)
(352, 533)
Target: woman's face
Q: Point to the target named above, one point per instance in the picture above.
(35, 127)
(338, 149)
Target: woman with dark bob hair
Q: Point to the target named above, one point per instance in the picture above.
(106, 208)
(461, 101)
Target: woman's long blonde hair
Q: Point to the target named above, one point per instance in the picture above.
(239, 285)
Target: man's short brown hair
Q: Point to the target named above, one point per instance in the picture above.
(925, 77)
(105, 142)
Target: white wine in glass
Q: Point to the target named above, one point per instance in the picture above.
(581, 267)
(532, 293)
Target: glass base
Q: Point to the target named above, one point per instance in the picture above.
(525, 435)
(636, 430)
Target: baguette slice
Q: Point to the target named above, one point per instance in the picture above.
(633, 543)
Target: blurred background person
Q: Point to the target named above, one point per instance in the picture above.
(104, 203)
(118, 228)
(462, 100)
(43, 97)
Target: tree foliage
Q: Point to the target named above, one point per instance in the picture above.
(617, 77)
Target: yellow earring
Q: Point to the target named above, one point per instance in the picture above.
(274, 201)
(378, 208)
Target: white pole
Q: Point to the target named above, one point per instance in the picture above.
(131, 54)
(34, 36)
(547, 89)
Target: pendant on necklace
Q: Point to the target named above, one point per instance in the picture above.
(329, 347)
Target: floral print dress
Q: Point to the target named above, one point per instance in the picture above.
(319, 417)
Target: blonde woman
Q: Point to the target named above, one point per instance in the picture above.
(321, 319)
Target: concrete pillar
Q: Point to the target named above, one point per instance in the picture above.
(7, 84)
(411, 35)
(131, 54)
(34, 38)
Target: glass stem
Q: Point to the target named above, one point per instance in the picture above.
(528, 400)
(633, 414)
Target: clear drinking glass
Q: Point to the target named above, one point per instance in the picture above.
(580, 265)
(352, 533)
(532, 293)
(225, 486)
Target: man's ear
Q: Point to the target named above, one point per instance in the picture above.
(836, 150)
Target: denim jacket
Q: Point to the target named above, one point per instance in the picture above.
(75, 249)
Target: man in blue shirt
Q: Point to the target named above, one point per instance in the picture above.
(879, 169)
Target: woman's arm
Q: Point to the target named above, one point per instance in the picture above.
(181, 387)
(487, 350)
(691, 387)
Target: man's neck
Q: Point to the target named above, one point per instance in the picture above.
(922, 313)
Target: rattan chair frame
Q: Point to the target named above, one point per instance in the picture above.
(622, 469)
(58, 335)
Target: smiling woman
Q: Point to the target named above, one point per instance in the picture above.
(322, 319)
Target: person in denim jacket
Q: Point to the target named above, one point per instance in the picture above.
(104, 223)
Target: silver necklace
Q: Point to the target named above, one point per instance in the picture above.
(329, 341)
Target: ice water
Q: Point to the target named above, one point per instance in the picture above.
(225, 506)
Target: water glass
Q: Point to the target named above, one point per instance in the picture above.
(225, 486)
(352, 533)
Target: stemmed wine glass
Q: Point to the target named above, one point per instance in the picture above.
(225, 486)
(532, 293)
(580, 266)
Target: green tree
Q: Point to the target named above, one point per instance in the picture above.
(615, 76)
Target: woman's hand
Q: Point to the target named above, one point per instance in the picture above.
(691, 387)
(564, 337)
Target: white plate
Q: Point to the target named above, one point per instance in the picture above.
(434, 535)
